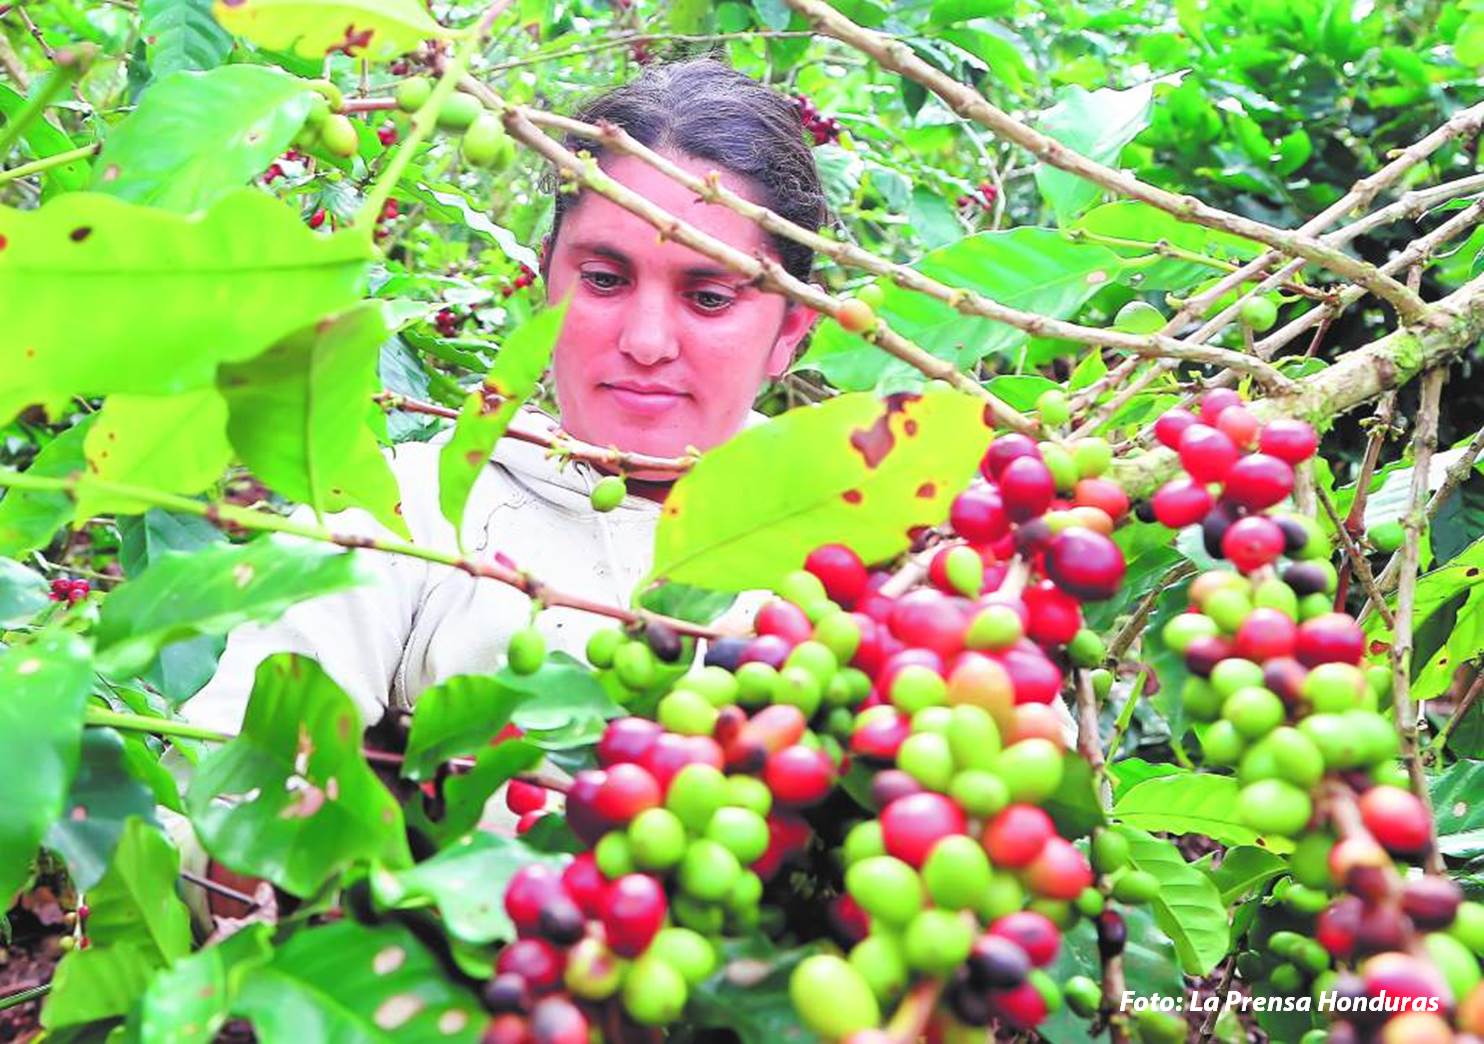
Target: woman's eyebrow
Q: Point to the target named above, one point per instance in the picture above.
(619, 257)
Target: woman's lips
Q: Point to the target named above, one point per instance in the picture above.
(651, 402)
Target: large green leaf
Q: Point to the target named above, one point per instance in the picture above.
(43, 688)
(1243, 868)
(181, 34)
(43, 139)
(197, 136)
(301, 804)
(458, 716)
(1191, 803)
(346, 983)
(29, 519)
(567, 705)
(466, 882)
(299, 412)
(1457, 809)
(1188, 908)
(104, 796)
(1033, 269)
(855, 468)
(136, 903)
(169, 443)
(488, 409)
(211, 591)
(375, 29)
(184, 666)
(23, 593)
(188, 1002)
(169, 296)
(97, 983)
(1097, 124)
(1129, 219)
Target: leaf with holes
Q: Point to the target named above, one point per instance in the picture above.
(855, 466)
(291, 799)
(166, 443)
(211, 591)
(43, 687)
(1033, 269)
(197, 136)
(169, 297)
(376, 29)
(298, 417)
(1458, 804)
(350, 983)
(181, 34)
(104, 795)
(1188, 907)
(466, 882)
(489, 408)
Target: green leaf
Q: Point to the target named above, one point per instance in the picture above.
(310, 28)
(566, 704)
(97, 983)
(684, 602)
(749, 995)
(211, 591)
(1243, 868)
(169, 297)
(1149, 967)
(466, 882)
(303, 804)
(136, 903)
(458, 716)
(181, 34)
(188, 1002)
(44, 139)
(488, 410)
(1033, 269)
(29, 519)
(1075, 807)
(23, 593)
(352, 984)
(169, 443)
(104, 795)
(753, 508)
(1096, 124)
(1191, 803)
(1187, 908)
(299, 417)
(1457, 809)
(182, 667)
(197, 136)
(1146, 226)
(43, 688)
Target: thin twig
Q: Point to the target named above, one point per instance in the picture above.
(1407, 718)
(1122, 641)
(1355, 558)
(1435, 748)
(1353, 525)
(222, 890)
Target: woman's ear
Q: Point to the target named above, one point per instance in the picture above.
(798, 320)
(543, 258)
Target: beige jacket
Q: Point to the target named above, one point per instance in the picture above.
(419, 623)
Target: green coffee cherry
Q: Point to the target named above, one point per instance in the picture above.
(1053, 408)
(1139, 317)
(609, 493)
(413, 94)
(338, 135)
(527, 651)
(1259, 313)
(459, 112)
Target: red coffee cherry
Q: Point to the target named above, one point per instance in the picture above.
(1206, 454)
(1293, 441)
(1171, 425)
(841, 571)
(1031, 931)
(1331, 638)
(1258, 481)
(1215, 402)
(1252, 542)
(978, 515)
(1396, 818)
(1004, 449)
(1017, 834)
(799, 776)
(634, 911)
(911, 825)
(1085, 564)
(1027, 487)
(1181, 502)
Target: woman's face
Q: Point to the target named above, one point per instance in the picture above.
(662, 347)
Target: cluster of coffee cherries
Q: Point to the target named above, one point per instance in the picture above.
(984, 195)
(823, 129)
(1281, 682)
(448, 320)
(70, 590)
(524, 278)
(483, 141)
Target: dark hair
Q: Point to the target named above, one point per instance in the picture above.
(709, 110)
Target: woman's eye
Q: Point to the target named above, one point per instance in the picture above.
(603, 280)
(711, 301)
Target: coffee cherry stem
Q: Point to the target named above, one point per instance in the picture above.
(909, 1022)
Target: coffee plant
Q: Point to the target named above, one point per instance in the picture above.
(1086, 645)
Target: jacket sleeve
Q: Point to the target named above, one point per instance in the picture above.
(357, 635)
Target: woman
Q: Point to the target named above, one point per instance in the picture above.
(661, 349)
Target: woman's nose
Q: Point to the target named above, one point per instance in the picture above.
(649, 336)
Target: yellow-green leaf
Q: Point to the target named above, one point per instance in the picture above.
(376, 29)
(856, 469)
